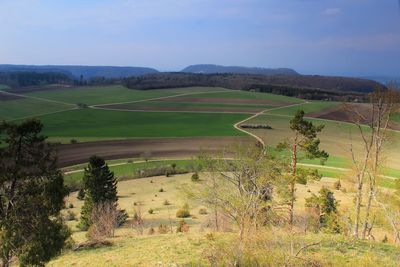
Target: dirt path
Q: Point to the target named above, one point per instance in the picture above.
(259, 139)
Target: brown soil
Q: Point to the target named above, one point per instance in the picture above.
(72, 154)
(178, 108)
(224, 100)
(347, 114)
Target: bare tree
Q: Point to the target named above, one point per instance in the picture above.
(105, 219)
(383, 102)
(241, 188)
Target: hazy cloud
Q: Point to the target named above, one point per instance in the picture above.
(331, 11)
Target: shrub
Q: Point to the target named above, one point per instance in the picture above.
(70, 216)
(159, 171)
(195, 177)
(151, 231)
(71, 206)
(182, 227)
(385, 239)
(166, 203)
(255, 126)
(73, 141)
(161, 190)
(163, 229)
(183, 212)
(81, 194)
(104, 217)
(301, 179)
(150, 211)
(203, 211)
(337, 185)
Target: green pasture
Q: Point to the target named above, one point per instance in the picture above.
(28, 107)
(94, 123)
(97, 95)
(313, 106)
(250, 95)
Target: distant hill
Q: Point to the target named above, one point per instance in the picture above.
(87, 72)
(209, 69)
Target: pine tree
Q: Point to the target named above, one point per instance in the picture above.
(99, 185)
(305, 139)
(31, 196)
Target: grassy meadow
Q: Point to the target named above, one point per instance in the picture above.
(128, 248)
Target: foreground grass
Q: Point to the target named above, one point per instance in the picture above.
(120, 124)
(269, 248)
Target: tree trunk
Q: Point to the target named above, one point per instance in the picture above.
(367, 211)
(358, 207)
(292, 183)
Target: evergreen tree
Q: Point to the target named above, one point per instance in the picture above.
(31, 196)
(99, 185)
(305, 139)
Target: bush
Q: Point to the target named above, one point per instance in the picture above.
(385, 239)
(81, 194)
(255, 126)
(70, 216)
(203, 211)
(166, 203)
(163, 229)
(182, 227)
(183, 212)
(161, 190)
(151, 231)
(73, 141)
(122, 216)
(150, 211)
(159, 171)
(195, 177)
(301, 179)
(71, 206)
(337, 185)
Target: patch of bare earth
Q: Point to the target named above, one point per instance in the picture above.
(72, 154)
(349, 113)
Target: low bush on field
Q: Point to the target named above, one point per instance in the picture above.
(255, 126)
(183, 212)
(159, 171)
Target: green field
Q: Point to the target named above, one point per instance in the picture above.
(125, 124)
(158, 104)
(28, 107)
(4, 87)
(313, 106)
(108, 94)
(251, 95)
(335, 138)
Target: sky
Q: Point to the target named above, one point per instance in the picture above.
(330, 37)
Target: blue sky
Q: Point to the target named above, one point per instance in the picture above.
(337, 37)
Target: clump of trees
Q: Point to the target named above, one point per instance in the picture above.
(31, 196)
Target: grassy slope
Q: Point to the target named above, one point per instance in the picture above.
(123, 124)
(109, 94)
(20, 108)
(335, 138)
(129, 249)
